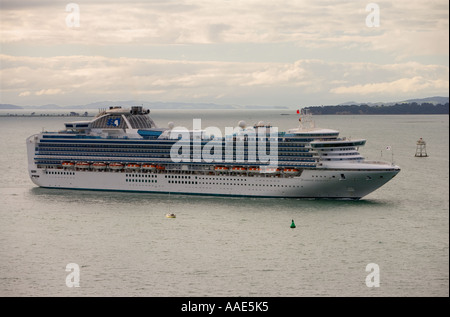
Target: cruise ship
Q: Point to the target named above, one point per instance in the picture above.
(124, 150)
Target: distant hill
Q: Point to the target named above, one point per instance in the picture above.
(434, 100)
(48, 106)
(424, 105)
(169, 105)
(152, 105)
(8, 106)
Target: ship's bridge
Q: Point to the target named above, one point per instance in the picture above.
(309, 135)
(337, 143)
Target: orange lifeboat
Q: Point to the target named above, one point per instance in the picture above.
(133, 166)
(221, 169)
(291, 171)
(116, 166)
(160, 167)
(98, 166)
(238, 169)
(68, 164)
(83, 165)
(271, 170)
(254, 169)
(149, 167)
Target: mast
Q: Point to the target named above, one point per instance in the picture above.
(305, 120)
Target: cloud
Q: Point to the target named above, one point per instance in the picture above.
(399, 86)
(319, 50)
(82, 79)
(48, 92)
(407, 28)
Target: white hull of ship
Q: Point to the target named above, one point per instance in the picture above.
(311, 183)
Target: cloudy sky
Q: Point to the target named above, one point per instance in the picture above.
(248, 52)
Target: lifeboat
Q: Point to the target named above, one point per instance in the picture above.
(149, 167)
(99, 166)
(116, 166)
(160, 167)
(133, 166)
(171, 215)
(254, 169)
(271, 170)
(291, 171)
(83, 165)
(238, 169)
(68, 164)
(221, 169)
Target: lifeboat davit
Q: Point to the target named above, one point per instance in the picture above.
(98, 166)
(238, 169)
(116, 166)
(291, 171)
(149, 167)
(133, 166)
(221, 169)
(83, 165)
(68, 164)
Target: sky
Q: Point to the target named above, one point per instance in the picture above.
(242, 52)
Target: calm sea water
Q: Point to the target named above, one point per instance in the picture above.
(125, 246)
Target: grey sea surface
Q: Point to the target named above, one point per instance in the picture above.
(226, 246)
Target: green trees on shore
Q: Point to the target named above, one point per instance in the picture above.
(398, 108)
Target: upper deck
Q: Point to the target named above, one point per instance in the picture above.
(114, 118)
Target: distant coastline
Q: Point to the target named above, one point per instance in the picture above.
(429, 105)
(25, 115)
(402, 108)
(145, 104)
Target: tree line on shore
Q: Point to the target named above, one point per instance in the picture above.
(398, 108)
